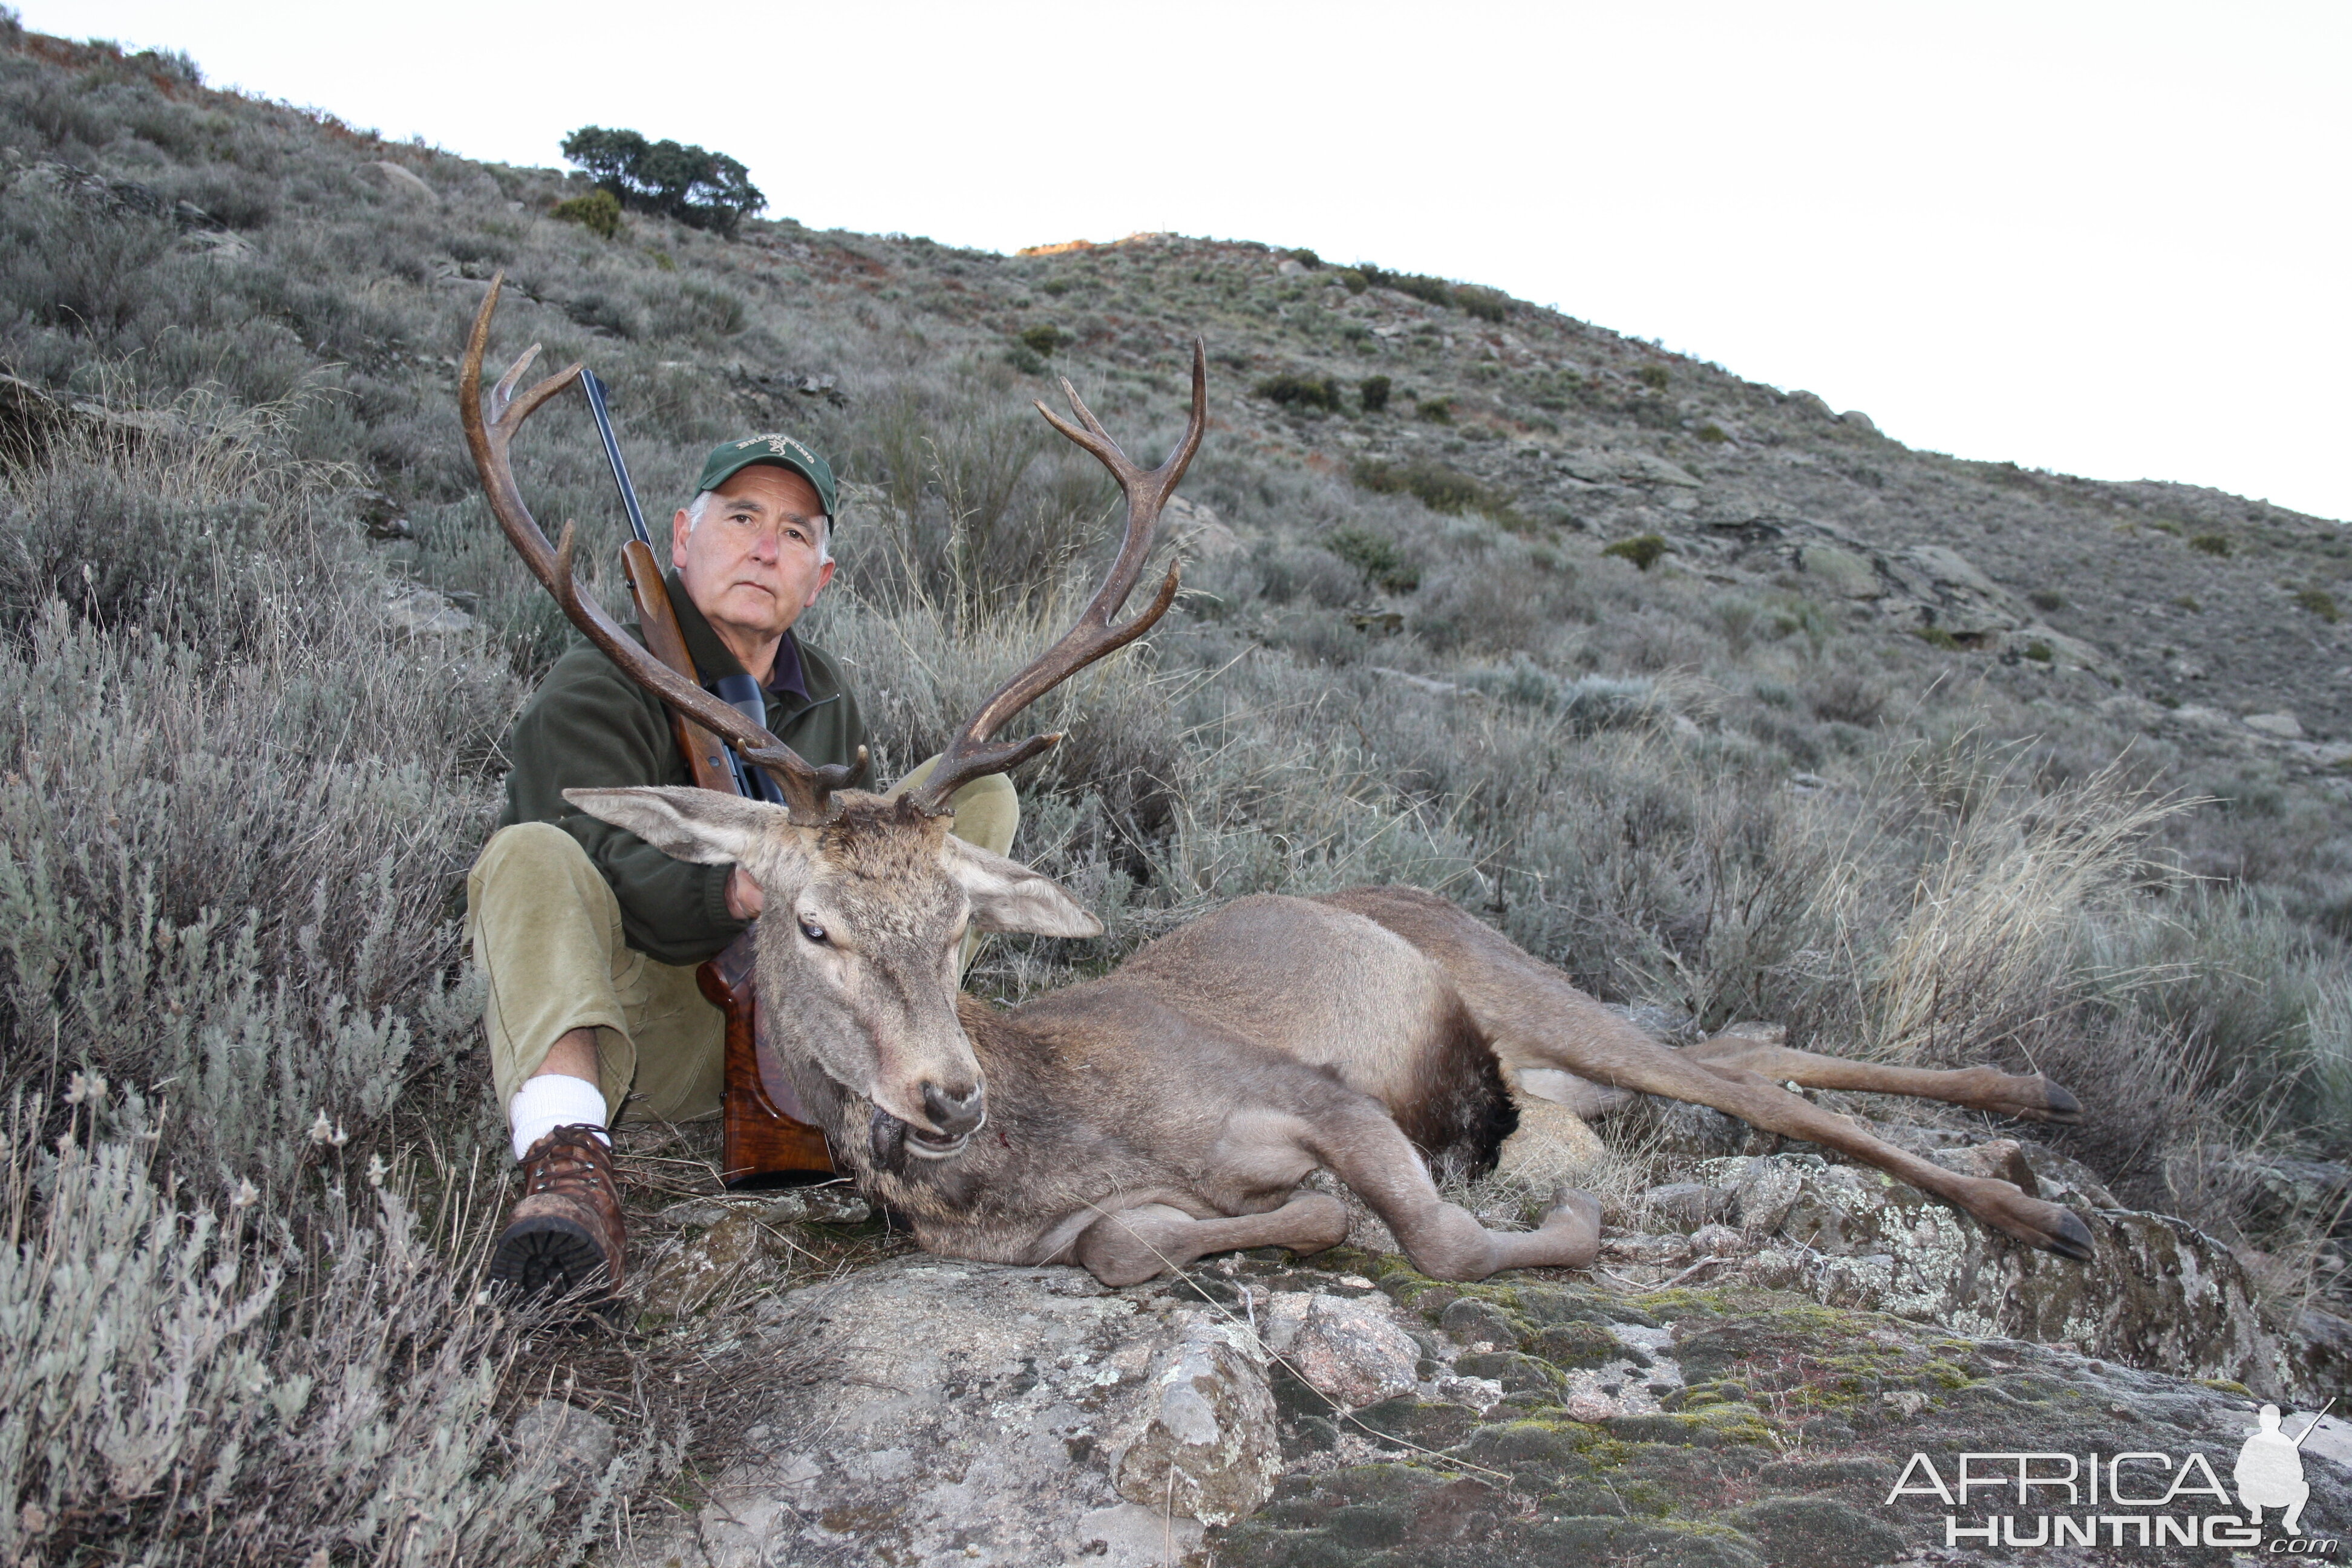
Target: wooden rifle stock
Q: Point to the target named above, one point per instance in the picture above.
(765, 1137)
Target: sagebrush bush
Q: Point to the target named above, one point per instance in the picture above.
(194, 1381)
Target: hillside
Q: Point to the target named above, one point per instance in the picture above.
(1721, 701)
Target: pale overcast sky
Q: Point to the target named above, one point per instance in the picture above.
(2109, 239)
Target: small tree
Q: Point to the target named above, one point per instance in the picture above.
(700, 188)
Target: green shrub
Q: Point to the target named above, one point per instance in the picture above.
(1642, 549)
(1713, 434)
(1486, 304)
(1304, 256)
(2046, 599)
(1354, 281)
(2211, 544)
(1417, 285)
(1025, 359)
(1435, 486)
(1057, 287)
(1936, 637)
(1042, 339)
(1300, 391)
(2320, 603)
(598, 212)
(1376, 557)
(1653, 376)
(1436, 410)
(2188, 602)
(2039, 652)
(1372, 391)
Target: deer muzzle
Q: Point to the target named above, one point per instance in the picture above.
(955, 1116)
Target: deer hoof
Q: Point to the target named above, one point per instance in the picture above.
(2062, 1107)
(2061, 1231)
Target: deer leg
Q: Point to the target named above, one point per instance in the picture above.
(1758, 1100)
(1128, 1247)
(1535, 1019)
(1364, 1148)
(1979, 1088)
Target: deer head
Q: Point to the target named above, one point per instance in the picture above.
(866, 899)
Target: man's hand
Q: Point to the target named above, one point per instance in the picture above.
(743, 895)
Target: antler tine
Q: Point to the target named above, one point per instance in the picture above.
(971, 755)
(490, 426)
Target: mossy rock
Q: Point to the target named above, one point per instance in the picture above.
(1600, 1538)
(1570, 1345)
(1518, 1373)
(1539, 1456)
(1422, 1423)
(1711, 1427)
(1818, 1533)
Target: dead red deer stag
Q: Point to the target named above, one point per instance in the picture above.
(1173, 1108)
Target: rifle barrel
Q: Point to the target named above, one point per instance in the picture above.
(593, 385)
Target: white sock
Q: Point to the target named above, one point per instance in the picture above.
(551, 1101)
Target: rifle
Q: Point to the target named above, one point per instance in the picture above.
(766, 1139)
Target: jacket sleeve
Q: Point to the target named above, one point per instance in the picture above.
(590, 728)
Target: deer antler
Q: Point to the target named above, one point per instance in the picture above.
(490, 425)
(971, 755)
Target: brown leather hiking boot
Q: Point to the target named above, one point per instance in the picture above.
(566, 1233)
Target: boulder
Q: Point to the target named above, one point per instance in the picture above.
(929, 1411)
(1199, 532)
(399, 180)
(1859, 420)
(1961, 599)
(1351, 1350)
(2277, 726)
(421, 610)
(1624, 469)
(1208, 1451)
(2158, 1293)
(1842, 572)
(2065, 652)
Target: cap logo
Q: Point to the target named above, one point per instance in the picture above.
(779, 446)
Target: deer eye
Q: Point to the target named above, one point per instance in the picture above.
(813, 931)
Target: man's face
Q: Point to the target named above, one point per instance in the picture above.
(756, 559)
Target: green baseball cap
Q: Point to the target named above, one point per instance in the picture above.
(731, 457)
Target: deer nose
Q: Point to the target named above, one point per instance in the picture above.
(954, 1114)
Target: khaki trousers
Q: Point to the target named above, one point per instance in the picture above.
(546, 931)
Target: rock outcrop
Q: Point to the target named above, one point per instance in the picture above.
(1265, 1411)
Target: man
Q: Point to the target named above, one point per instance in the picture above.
(590, 936)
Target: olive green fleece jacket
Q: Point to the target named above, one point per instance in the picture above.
(591, 727)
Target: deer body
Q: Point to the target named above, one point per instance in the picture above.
(1174, 1107)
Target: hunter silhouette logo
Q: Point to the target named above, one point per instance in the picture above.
(2268, 1472)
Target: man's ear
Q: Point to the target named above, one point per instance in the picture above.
(1007, 896)
(698, 825)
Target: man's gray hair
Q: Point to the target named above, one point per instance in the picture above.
(701, 503)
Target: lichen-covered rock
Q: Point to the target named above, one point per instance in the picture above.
(1759, 1430)
(926, 1412)
(1353, 1351)
(2158, 1293)
(1208, 1451)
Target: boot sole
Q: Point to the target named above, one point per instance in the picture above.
(548, 1257)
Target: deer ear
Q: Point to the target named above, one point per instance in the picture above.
(698, 825)
(1007, 896)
